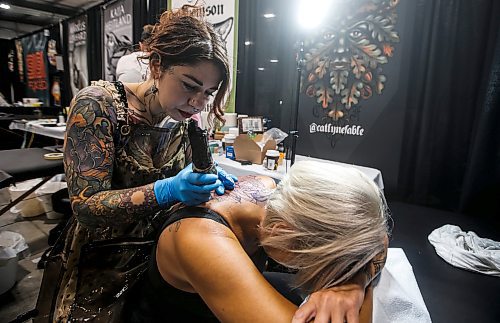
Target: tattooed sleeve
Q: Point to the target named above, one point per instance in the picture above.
(88, 163)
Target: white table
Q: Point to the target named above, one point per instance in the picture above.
(231, 166)
(234, 167)
(37, 126)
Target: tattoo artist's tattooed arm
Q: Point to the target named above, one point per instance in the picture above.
(88, 161)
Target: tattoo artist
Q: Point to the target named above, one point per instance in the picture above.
(127, 155)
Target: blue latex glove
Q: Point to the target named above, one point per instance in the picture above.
(186, 187)
(227, 181)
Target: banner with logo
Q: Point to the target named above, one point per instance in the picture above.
(117, 35)
(349, 77)
(36, 68)
(223, 14)
(77, 53)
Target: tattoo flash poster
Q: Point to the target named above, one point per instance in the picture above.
(223, 15)
(118, 35)
(77, 53)
(36, 68)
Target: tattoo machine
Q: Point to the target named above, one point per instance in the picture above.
(202, 158)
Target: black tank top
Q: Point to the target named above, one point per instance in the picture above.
(161, 302)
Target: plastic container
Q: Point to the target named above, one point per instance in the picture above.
(11, 245)
(229, 139)
(230, 152)
(30, 206)
(234, 131)
(44, 195)
(228, 143)
(272, 157)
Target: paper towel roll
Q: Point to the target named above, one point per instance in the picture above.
(234, 131)
(230, 119)
(204, 120)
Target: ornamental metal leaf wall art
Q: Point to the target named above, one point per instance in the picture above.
(344, 60)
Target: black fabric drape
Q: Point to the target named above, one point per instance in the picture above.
(65, 88)
(156, 7)
(245, 78)
(481, 189)
(94, 43)
(8, 76)
(451, 59)
(140, 19)
(267, 92)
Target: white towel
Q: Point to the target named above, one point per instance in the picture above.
(466, 250)
(396, 297)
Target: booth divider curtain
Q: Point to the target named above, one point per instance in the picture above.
(450, 156)
(481, 188)
(94, 43)
(140, 19)
(156, 7)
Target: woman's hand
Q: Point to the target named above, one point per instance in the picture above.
(227, 181)
(187, 187)
(335, 305)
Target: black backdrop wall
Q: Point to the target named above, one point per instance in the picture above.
(432, 130)
(271, 91)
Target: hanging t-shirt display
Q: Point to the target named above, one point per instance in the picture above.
(36, 69)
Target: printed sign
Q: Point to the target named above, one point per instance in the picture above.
(77, 53)
(118, 35)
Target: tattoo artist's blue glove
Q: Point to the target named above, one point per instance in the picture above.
(227, 181)
(186, 187)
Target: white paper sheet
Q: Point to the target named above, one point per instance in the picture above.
(396, 297)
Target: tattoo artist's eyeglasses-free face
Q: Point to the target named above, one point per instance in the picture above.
(186, 90)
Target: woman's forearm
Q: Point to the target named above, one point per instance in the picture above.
(115, 206)
(366, 312)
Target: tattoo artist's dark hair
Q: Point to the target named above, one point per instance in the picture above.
(182, 37)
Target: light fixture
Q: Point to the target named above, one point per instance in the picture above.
(311, 13)
(260, 68)
(248, 43)
(4, 6)
(273, 61)
(269, 15)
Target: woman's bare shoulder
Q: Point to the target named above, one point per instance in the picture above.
(252, 188)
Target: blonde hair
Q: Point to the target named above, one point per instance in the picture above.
(330, 219)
